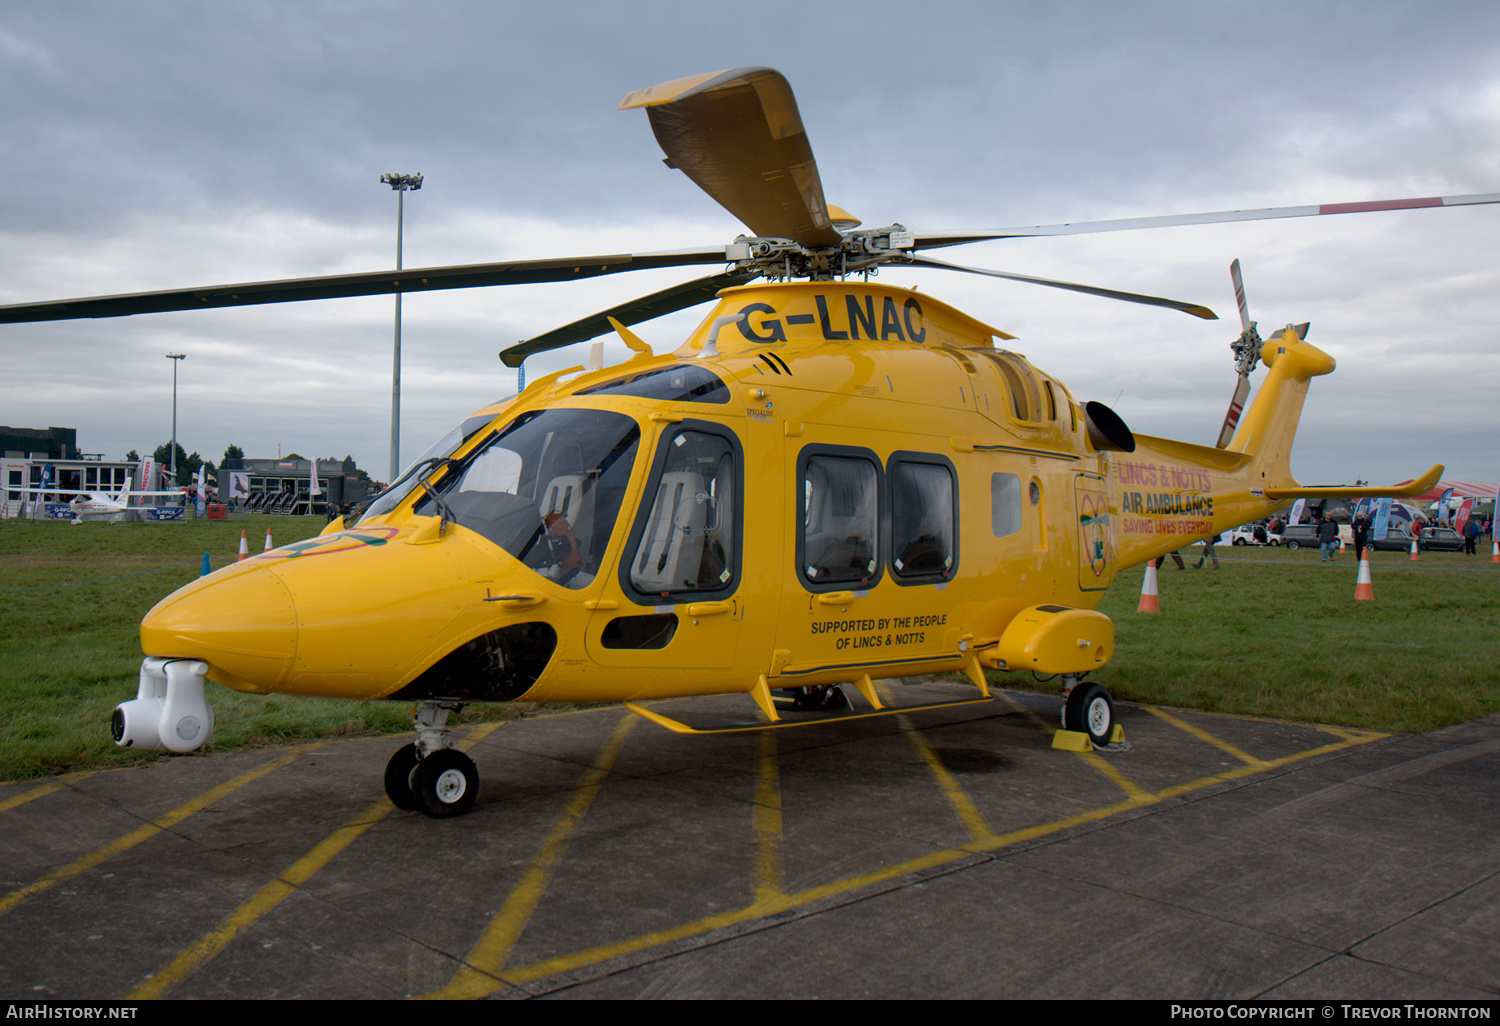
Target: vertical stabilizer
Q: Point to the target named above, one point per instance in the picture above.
(1270, 424)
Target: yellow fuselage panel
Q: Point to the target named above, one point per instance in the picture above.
(885, 378)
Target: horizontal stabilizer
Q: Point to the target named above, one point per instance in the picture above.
(1406, 491)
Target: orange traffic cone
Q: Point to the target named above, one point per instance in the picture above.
(268, 541)
(1414, 557)
(1342, 550)
(1148, 592)
(1362, 587)
(1495, 552)
(244, 551)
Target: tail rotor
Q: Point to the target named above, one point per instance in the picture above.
(1246, 351)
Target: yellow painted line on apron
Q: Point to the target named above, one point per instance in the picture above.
(1133, 791)
(965, 809)
(1104, 767)
(479, 976)
(766, 819)
(269, 896)
(1252, 770)
(141, 833)
(42, 790)
(591, 956)
(1205, 736)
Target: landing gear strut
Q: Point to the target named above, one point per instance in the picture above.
(429, 775)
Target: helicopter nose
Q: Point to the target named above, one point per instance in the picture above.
(243, 624)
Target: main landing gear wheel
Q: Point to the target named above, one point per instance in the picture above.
(445, 784)
(398, 778)
(819, 696)
(1089, 710)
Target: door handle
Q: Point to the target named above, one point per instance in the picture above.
(839, 598)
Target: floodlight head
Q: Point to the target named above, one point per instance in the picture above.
(402, 183)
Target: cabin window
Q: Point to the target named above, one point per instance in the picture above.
(840, 516)
(680, 382)
(1005, 504)
(652, 631)
(688, 542)
(924, 523)
(547, 490)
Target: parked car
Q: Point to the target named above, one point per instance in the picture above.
(1397, 539)
(1436, 539)
(1295, 536)
(1441, 539)
(1251, 534)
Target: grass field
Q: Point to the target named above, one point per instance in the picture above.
(1278, 633)
(1273, 633)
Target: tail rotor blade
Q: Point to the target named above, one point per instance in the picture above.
(1239, 295)
(1236, 407)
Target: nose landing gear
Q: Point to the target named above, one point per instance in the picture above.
(430, 775)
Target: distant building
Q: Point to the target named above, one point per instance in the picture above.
(54, 443)
(281, 485)
(25, 453)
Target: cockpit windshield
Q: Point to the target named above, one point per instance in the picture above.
(547, 489)
(418, 468)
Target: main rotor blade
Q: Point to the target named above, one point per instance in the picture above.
(658, 304)
(343, 286)
(1129, 297)
(738, 136)
(933, 239)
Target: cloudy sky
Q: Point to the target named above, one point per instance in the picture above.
(167, 143)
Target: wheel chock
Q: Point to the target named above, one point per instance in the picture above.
(1079, 741)
(1072, 741)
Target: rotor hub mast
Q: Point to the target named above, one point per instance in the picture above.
(858, 252)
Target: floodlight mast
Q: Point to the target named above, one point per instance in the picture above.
(172, 454)
(401, 184)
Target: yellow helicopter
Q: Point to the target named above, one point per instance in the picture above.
(829, 482)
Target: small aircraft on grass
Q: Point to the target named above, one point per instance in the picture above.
(110, 507)
(830, 481)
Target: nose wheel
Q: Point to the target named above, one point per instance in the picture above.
(430, 776)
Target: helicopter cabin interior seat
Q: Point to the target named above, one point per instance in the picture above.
(671, 549)
(572, 496)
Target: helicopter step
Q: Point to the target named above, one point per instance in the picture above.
(678, 727)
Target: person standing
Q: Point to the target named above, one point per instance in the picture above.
(1328, 538)
(1361, 531)
(1471, 534)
